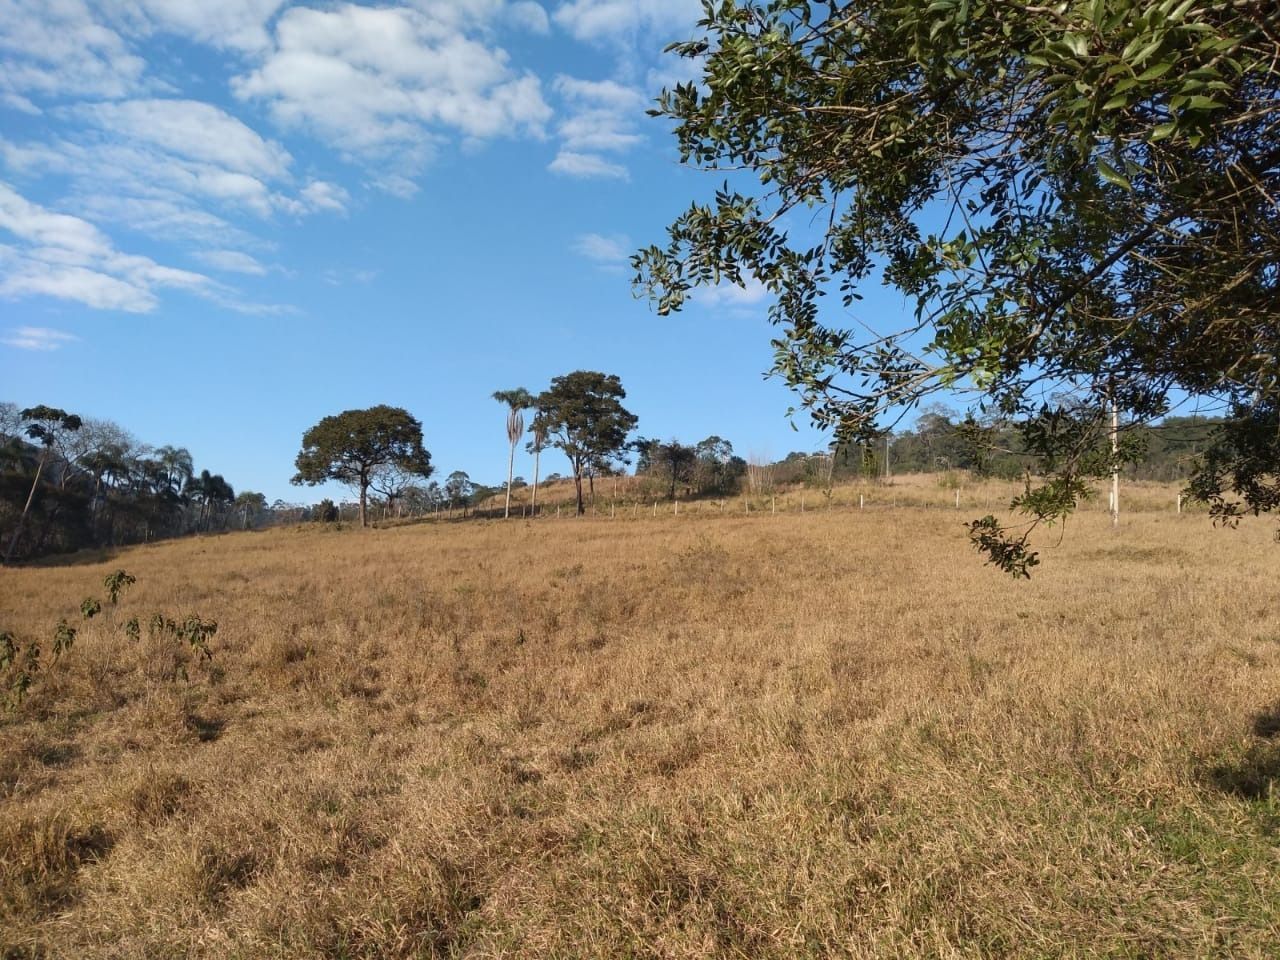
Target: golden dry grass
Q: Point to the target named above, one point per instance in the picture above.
(834, 734)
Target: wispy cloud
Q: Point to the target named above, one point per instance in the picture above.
(62, 49)
(232, 261)
(529, 16)
(37, 338)
(732, 296)
(610, 252)
(64, 256)
(621, 19)
(601, 117)
(587, 165)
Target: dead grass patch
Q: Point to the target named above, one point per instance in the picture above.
(818, 735)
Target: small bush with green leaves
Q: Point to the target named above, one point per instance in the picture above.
(20, 664)
(116, 583)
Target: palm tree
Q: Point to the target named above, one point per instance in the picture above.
(46, 425)
(178, 468)
(516, 400)
(535, 446)
(209, 490)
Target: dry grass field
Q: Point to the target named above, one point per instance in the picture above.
(819, 735)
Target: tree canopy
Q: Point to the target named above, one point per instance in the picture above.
(581, 413)
(68, 482)
(1077, 199)
(356, 446)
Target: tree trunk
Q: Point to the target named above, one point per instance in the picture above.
(577, 482)
(17, 531)
(364, 496)
(1115, 460)
(537, 455)
(511, 462)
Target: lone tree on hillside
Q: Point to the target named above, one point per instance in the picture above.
(1077, 198)
(48, 426)
(581, 413)
(516, 401)
(354, 446)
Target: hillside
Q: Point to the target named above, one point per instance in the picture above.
(834, 734)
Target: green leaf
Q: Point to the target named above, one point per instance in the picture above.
(1203, 103)
(1155, 71)
(1078, 43)
(1112, 175)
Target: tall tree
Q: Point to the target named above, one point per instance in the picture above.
(211, 492)
(536, 445)
(351, 447)
(673, 461)
(251, 505)
(178, 466)
(47, 426)
(516, 401)
(1075, 197)
(458, 486)
(581, 413)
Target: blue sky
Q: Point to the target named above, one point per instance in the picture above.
(220, 222)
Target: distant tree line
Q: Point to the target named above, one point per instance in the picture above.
(940, 440)
(68, 482)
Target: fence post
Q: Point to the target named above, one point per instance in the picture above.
(860, 501)
(957, 498)
(773, 504)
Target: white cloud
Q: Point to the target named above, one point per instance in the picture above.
(161, 213)
(37, 338)
(16, 101)
(69, 258)
(531, 16)
(587, 165)
(24, 276)
(59, 49)
(396, 184)
(321, 195)
(340, 277)
(613, 249)
(102, 166)
(192, 130)
(731, 296)
(232, 261)
(616, 19)
(235, 24)
(602, 93)
(157, 165)
(382, 83)
(602, 115)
